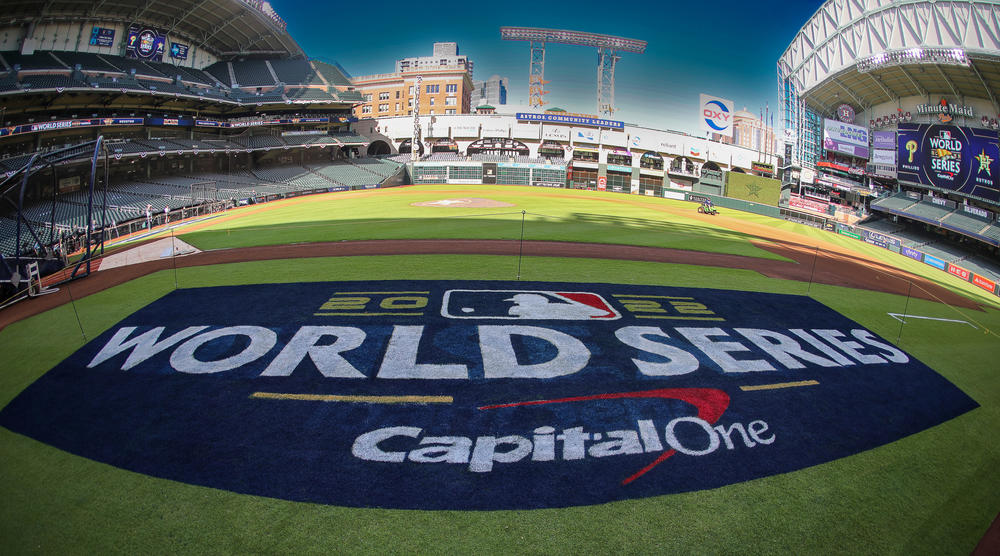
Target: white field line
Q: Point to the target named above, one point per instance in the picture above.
(900, 317)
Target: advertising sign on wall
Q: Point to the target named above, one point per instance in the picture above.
(493, 129)
(585, 135)
(884, 140)
(555, 133)
(845, 138)
(465, 131)
(178, 51)
(101, 36)
(716, 115)
(959, 159)
(613, 138)
(885, 157)
(525, 131)
(567, 119)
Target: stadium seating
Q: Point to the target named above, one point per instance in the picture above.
(332, 74)
(49, 81)
(897, 202)
(28, 62)
(252, 73)
(928, 212)
(220, 71)
(86, 61)
(295, 72)
(964, 222)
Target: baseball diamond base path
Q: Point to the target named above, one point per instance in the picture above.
(809, 264)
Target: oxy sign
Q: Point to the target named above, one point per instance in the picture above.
(716, 115)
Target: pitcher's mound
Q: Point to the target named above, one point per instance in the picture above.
(471, 202)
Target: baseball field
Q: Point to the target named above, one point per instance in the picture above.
(912, 469)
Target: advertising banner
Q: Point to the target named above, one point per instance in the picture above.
(496, 129)
(885, 157)
(178, 51)
(959, 159)
(958, 271)
(716, 115)
(912, 253)
(613, 138)
(799, 202)
(884, 140)
(555, 133)
(145, 43)
(881, 240)
(671, 144)
(585, 135)
(696, 148)
(465, 130)
(844, 138)
(985, 283)
(101, 36)
(526, 131)
(567, 119)
(935, 262)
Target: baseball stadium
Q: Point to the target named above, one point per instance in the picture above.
(243, 312)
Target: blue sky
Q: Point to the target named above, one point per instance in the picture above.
(725, 48)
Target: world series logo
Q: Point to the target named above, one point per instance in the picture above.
(479, 395)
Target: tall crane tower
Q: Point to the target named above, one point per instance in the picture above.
(608, 47)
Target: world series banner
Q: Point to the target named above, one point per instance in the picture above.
(959, 159)
(471, 395)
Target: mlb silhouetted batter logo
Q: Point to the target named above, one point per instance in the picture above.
(526, 305)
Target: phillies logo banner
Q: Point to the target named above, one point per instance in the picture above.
(716, 115)
(959, 159)
(471, 395)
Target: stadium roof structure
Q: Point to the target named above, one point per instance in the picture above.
(869, 52)
(226, 28)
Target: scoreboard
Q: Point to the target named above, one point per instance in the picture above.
(959, 159)
(145, 43)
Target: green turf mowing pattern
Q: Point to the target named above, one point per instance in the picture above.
(933, 492)
(579, 216)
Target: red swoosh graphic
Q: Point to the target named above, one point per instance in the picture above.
(711, 403)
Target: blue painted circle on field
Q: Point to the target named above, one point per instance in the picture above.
(478, 395)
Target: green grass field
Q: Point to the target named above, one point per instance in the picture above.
(933, 492)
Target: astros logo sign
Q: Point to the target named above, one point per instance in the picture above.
(478, 395)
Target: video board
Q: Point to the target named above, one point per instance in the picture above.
(145, 43)
(844, 138)
(959, 159)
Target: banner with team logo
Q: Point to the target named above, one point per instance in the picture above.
(478, 395)
(959, 159)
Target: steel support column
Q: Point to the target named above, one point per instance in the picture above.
(536, 74)
(606, 59)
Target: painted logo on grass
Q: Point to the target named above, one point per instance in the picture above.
(479, 395)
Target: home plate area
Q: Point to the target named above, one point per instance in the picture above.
(469, 202)
(476, 395)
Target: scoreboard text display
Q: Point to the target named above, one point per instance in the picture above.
(145, 43)
(959, 159)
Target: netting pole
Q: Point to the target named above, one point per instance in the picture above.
(173, 256)
(78, 322)
(812, 272)
(906, 308)
(520, 246)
